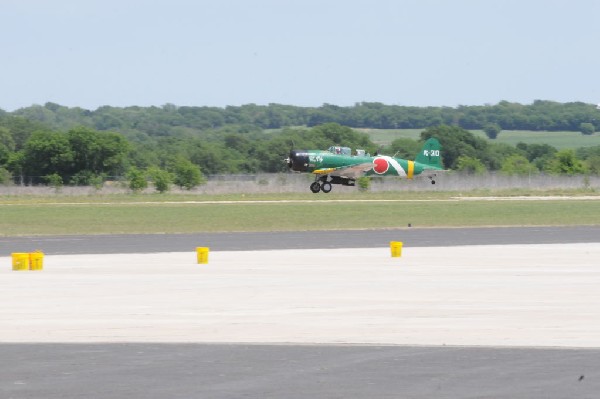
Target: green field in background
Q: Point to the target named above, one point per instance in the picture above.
(560, 140)
(129, 218)
(386, 136)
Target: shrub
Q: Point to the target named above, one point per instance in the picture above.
(587, 128)
(161, 178)
(137, 180)
(492, 130)
(5, 176)
(364, 183)
(54, 180)
(470, 165)
(187, 174)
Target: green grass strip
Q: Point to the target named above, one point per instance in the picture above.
(53, 219)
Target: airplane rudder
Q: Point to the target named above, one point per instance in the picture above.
(430, 153)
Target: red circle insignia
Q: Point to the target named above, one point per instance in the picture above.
(380, 165)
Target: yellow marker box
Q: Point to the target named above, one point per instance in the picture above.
(396, 248)
(202, 255)
(36, 260)
(22, 261)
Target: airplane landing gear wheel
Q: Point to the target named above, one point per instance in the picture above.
(315, 187)
(326, 187)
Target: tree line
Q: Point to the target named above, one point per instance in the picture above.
(172, 120)
(32, 152)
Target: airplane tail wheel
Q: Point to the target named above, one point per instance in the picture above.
(326, 187)
(315, 187)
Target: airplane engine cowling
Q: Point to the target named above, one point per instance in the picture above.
(298, 160)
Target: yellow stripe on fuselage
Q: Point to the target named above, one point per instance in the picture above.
(411, 170)
(323, 171)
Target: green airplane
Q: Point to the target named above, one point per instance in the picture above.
(337, 165)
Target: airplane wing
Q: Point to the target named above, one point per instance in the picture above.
(352, 172)
(430, 172)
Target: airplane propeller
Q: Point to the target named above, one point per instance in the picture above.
(288, 160)
(297, 160)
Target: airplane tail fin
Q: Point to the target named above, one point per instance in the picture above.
(431, 154)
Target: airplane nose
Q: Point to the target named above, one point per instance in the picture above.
(298, 160)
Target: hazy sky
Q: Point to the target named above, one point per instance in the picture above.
(90, 53)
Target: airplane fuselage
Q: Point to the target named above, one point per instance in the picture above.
(324, 162)
(338, 166)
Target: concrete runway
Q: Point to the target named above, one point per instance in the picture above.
(453, 321)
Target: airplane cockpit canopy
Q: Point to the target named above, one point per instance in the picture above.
(334, 149)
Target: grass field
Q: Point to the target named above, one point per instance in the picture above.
(386, 136)
(560, 140)
(47, 217)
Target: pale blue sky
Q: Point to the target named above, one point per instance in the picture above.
(91, 53)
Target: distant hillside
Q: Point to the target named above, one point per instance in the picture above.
(171, 120)
(56, 145)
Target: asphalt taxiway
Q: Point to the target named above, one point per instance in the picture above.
(158, 371)
(256, 241)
